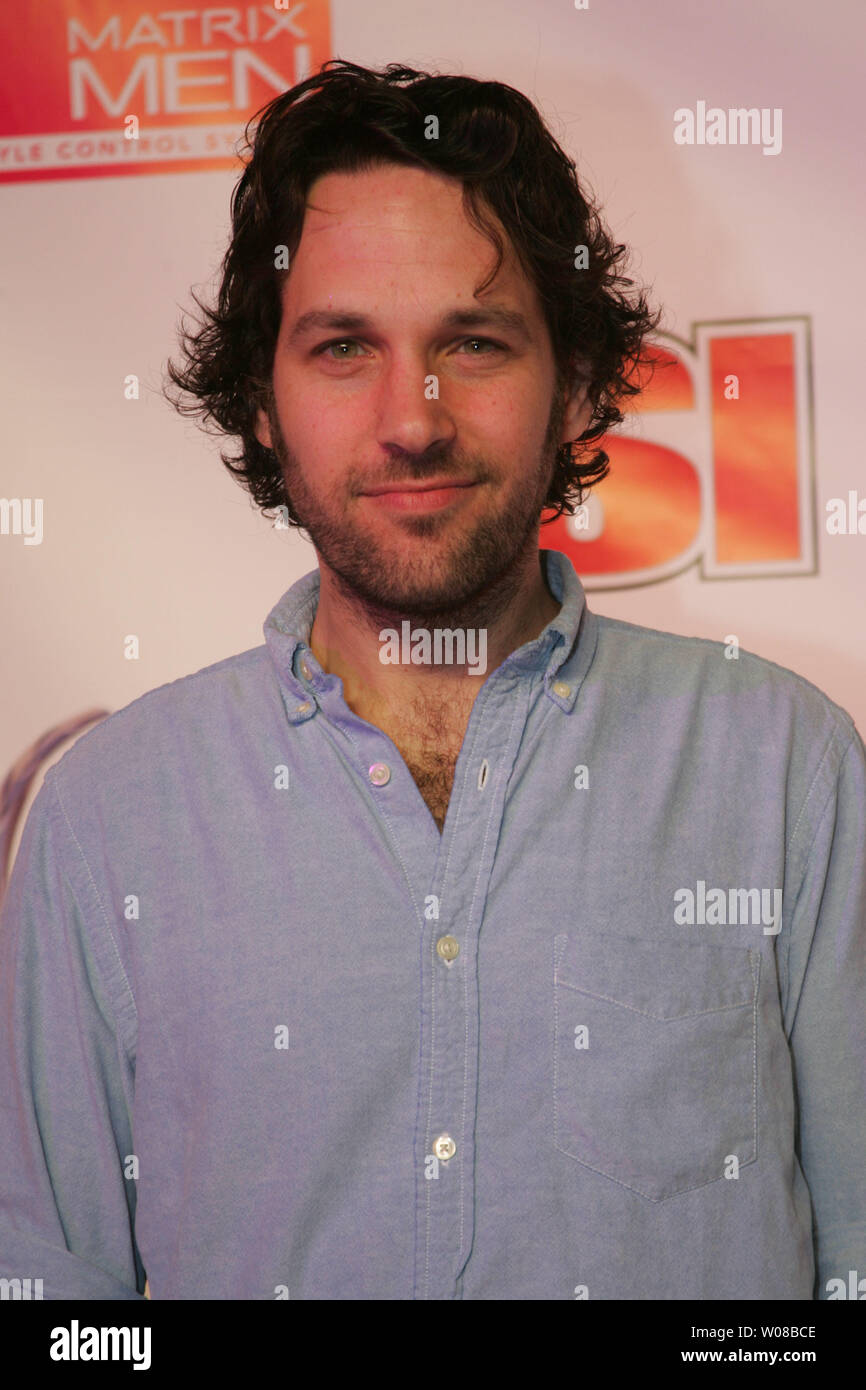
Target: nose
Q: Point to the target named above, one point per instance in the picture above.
(411, 416)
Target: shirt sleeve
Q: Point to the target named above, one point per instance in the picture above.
(66, 1076)
(827, 999)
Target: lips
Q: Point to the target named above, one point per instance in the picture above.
(429, 496)
(436, 485)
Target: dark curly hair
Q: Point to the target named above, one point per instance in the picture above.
(347, 118)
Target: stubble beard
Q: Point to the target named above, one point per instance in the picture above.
(466, 581)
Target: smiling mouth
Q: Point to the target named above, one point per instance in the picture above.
(417, 497)
(432, 485)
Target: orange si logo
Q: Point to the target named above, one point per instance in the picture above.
(712, 466)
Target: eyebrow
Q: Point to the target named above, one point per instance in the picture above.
(506, 320)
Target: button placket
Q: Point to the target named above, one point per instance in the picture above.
(450, 1000)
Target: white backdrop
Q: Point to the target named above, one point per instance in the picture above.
(145, 532)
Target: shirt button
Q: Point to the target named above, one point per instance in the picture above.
(448, 947)
(380, 773)
(302, 709)
(305, 668)
(444, 1147)
(561, 688)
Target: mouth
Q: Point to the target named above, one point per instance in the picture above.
(425, 496)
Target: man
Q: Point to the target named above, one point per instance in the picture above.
(587, 1024)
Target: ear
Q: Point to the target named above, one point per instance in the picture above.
(578, 413)
(262, 429)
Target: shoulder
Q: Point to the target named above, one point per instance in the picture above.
(736, 718)
(173, 724)
(667, 664)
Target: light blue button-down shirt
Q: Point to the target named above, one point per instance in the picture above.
(233, 1057)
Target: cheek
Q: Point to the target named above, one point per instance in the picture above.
(510, 425)
(310, 428)
(323, 443)
(513, 407)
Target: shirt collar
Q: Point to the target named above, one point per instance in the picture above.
(562, 652)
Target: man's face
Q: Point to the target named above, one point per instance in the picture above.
(354, 409)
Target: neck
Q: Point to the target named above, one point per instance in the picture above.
(345, 640)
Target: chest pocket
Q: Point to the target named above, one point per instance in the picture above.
(654, 1067)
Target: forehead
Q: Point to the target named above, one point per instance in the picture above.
(402, 226)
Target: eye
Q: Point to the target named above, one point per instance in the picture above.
(324, 348)
(336, 342)
(497, 347)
